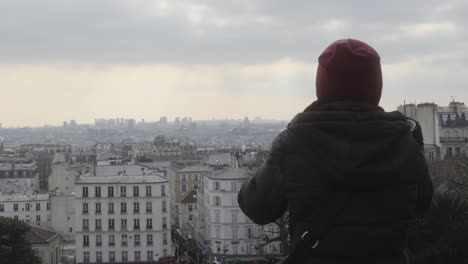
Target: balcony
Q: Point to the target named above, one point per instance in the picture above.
(149, 227)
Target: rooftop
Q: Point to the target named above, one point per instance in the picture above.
(190, 198)
(115, 170)
(230, 174)
(194, 169)
(121, 179)
(24, 197)
(20, 185)
(40, 236)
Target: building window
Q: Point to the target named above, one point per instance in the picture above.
(136, 208)
(124, 240)
(190, 217)
(234, 217)
(85, 208)
(216, 186)
(86, 257)
(217, 200)
(449, 152)
(196, 176)
(110, 191)
(48, 206)
(136, 191)
(149, 223)
(111, 224)
(38, 218)
(98, 224)
(164, 239)
(137, 240)
(97, 192)
(38, 206)
(112, 256)
(85, 192)
(111, 240)
(164, 206)
(235, 230)
(163, 190)
(164, 252)
(184, 188)
(233, 186)
(123, 191)
(85, 224)
(235, 249)
(28, 207)
(98, 240)
(123, 224)
(184, 178)
(111, 208)
(98, 208)
(149, 207)
(99, 257)
(217, 216)
(457, 151)
(164, 224)
(148, 191)
(136, 224)
(2, 208)
(149, 239)
(124, 256)
(123, 208)
(15, 207)
(190, 208)
(85, 241)
(137, 256)
(149, 255)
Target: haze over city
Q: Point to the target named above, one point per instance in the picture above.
(213, 59)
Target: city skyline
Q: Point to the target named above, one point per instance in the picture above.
(213, 59)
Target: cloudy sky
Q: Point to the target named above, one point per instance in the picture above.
(81, 59)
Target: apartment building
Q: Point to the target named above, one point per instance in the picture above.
(181, 182)
(122, 219)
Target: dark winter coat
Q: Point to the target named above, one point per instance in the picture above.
(346, 147)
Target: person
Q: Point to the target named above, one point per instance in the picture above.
(344, 143)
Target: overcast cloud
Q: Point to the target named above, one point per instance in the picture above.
(243, 48)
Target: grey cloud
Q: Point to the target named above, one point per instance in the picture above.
(116, 31)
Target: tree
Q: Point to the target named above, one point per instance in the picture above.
(279, 234)
(442, 235)
(14, 247)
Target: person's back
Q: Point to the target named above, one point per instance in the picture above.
(344, 145)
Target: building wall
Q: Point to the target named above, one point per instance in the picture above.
(36, 216)
(160, 232)
(180, 188)
(49, 253)
(187, 214)
(229, 231)
(62, 212)
(426, 117)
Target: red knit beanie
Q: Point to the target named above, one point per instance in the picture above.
(349, 68)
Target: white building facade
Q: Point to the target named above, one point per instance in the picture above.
(222, 225)
(122, 219)
(444, 128)
(34, 209)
